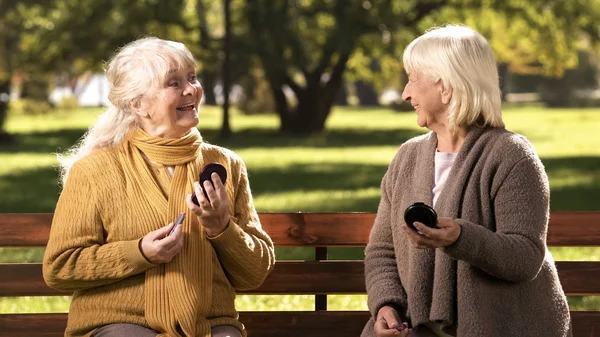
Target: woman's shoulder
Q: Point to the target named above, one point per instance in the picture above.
(215, 153)
(512, 146)
(98, 162)
(409, 148)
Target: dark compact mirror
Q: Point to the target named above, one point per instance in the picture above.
(422, 213)
(205, 174)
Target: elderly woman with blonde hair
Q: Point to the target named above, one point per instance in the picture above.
(113, 239)
(483, 268)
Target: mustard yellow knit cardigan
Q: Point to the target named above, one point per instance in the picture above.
(93, 249)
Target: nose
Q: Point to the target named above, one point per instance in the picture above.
(191, 89)
(406, 94)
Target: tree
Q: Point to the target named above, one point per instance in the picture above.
(308, 45)
(225, 128)
(46, 36)
(10, 35)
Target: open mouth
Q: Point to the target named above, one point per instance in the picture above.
(186, 107)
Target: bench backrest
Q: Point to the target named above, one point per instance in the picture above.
(321, 277)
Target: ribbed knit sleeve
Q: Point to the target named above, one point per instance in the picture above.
(381, 271)
(76, 256)
(245, 251)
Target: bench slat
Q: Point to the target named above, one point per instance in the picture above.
(327, 277)
(265, 324)
(311, 229)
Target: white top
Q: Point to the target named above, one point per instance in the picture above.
(443, 166)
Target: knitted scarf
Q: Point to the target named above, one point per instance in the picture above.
(178, 293)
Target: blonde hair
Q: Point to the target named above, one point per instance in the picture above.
(464, 61)
(133, 71)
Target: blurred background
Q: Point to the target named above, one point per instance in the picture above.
(306, 91)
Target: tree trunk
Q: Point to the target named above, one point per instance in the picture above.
(226, 128)
(4, 102)
(208, 80)
(366, 94)
(314, 106)
(505, 84)
(342, 97)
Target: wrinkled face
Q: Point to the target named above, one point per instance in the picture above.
(427, 99)
(170, 109)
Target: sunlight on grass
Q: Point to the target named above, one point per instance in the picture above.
(575, 253)
(275, 302)
(338, 170)
(28, 304)
(313, 201)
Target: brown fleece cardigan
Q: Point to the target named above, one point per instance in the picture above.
(93, 248)
(498, 278)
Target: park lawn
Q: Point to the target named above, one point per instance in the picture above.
(339, 170)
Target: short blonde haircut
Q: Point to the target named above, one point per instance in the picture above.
(133, 71)
(464, 61)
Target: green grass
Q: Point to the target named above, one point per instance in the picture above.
(339, 170)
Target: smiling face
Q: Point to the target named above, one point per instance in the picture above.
(170, 109)
(429, 100)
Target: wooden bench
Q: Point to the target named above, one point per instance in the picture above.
(320, 277)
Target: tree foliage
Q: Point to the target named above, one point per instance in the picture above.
(306, 47)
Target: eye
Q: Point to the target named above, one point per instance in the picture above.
(173, 84)
(193, 78)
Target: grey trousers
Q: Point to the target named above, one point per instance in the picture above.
(131, 330)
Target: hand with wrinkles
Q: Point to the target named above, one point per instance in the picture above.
(160, 247)
(213, 213)
(388, 323)
(444, 234)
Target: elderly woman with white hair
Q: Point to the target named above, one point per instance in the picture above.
(483, 269)
(113, 239)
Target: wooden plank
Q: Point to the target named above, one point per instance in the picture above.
(579, 278)
(265, 324)
(311, 229)
(574, 229)
(286, 229)
(24, 230)
(326, 277)
(585, 323)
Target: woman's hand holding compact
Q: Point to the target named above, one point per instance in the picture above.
(213, 212)
(444, 234)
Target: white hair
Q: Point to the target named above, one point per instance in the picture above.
(464, 61)
(132, 72)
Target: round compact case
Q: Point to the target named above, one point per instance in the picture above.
(421, 213)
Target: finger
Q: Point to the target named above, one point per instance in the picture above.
(202, 201)
(418, 240)
(428, 231)
(389, 332)
(162, 232)
(381, 329)
(219, 187)
(215, 200)
(391, 318)
(446, 223)
(177, 247)
(210, 191)
(216, 180)
(193, 207)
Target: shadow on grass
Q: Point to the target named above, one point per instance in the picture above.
(307, 177)
(29, 191)
(44, 142)
(265, 138)
(61, 140)
(579, 196)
